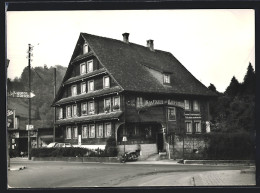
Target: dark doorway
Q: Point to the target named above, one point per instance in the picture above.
(160, 142)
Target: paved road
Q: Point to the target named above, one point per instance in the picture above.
(39, 174)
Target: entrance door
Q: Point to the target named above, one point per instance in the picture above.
(160, 142)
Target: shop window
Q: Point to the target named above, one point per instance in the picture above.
(187, 105)
(196, 106)
(139, 102)
(107, 104)
(90, 66)
(68, 133)
(73, 90)
(83, 108)
(197, 126)
(83, 68)
(84, 131)
(91, 109)
(188, 126)
(60, 113)
(68, 111)
(74, 110)
(106, 82)
(75, 133)
(92, 131)
(116, 103)
(83, 87)
(108, 131)
(172, 114)
(166, 78)
(100, 131)
(90, 85)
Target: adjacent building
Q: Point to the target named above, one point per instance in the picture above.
(116, 88)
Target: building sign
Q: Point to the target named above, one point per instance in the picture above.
(10, 118)
(176, 103)
(14, 135)
(153, 102)
(29, 127)
(16, 94)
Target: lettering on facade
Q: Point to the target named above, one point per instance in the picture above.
(176, 103)
(153, 102)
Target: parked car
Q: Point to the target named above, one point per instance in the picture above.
(52, 144)
(58, 145)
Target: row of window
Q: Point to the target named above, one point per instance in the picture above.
(90, 83)
(89, 107)
(86, 67)
(90, 131)
(190, 125)
(191, 105)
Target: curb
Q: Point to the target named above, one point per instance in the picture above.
(17, 168)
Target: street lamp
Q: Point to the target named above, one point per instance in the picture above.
(124, 140)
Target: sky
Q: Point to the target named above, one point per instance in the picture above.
(214, 45)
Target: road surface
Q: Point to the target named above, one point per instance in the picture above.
(50, 174)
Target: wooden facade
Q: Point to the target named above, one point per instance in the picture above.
(95, 101)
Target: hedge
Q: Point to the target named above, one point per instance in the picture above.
(230, 146)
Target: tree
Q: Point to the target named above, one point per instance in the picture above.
(234, 87)
(212, 87)
(248, 86)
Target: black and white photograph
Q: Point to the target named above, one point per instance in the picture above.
(131, 98)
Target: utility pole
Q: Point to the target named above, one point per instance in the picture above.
(29, 120)
(54, 121)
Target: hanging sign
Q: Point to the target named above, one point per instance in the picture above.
(29, 127)
(10, 118)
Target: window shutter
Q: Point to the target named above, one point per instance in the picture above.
(79, 109)
(96, 107)
(63, 112)
(69, 91)
(78, 88)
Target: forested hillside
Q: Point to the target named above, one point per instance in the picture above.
(42, 85)
(234, 110)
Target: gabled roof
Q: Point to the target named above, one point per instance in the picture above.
(128, 64)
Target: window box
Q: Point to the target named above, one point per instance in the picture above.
(115, 107)
(107, 109)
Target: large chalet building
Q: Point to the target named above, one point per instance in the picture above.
(116, 88)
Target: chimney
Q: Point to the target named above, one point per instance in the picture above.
(125, 37)
(150, 44)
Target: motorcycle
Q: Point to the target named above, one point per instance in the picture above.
(129, 156)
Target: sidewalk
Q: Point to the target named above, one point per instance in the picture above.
(225, 178)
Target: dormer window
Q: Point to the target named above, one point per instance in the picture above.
(90, 66)
(85, 48)
(106, 82)
(166, 78)
(73, 90)
(83, 68)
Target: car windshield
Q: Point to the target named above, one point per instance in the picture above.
(51, 145)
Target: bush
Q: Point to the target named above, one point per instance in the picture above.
(225, 146)
(111, 148)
